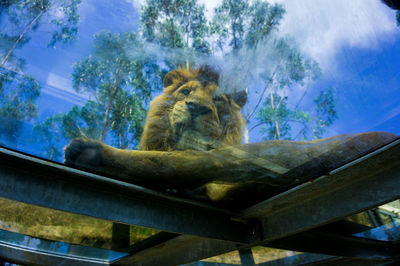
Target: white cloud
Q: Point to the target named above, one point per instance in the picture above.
(136, 3)
(322, 27)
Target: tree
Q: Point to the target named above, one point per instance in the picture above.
(124, 70)
(242, 34)
(119, 84)
(176, 24)
(277, 118)
(238, 23)
(22, 17)
(17, 103)
(270, 66)
(50, 134)
(19, 18)
(291, 71)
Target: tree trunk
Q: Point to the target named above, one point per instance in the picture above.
(106, 115)
(27, 28)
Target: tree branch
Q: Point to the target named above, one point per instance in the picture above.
(27, 28)
(262, 95)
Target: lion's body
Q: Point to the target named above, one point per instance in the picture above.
(189, 116)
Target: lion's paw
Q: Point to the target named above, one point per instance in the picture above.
(83, 152)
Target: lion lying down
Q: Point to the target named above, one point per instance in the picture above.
(192, 143)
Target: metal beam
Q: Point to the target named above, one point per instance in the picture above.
(314, 241)
(47, 184)
(365, 183)
(182, 249)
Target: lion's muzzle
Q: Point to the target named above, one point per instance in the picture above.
(196, 109)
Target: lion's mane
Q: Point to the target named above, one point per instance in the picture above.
(189, 114)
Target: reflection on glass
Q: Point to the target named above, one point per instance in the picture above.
(56, 225)
(226, 76)
(227, 258)
(384, 222)
(61, 248)
(264, 256)
(73, 69)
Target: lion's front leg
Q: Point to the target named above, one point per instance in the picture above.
(83, 152)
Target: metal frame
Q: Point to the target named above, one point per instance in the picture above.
(17, 254)
(198, 231)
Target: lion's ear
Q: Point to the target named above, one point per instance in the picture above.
(240, 97)
(171, 77)
(207, 74)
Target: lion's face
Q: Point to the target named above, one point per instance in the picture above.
(194, 117)
(189, 116)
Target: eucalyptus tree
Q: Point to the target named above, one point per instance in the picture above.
(273, 66)
(119, 85)
(19, 19)
(18, 97)
(176, 24)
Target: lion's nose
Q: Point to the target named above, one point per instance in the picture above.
(197, 109)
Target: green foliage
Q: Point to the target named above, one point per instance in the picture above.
(326, 111)
(238, 22)
(18, 95)
(264, 19)
(176, 24)
(22, 17)
(278, 119)
(18, 19)
(49, 134)
(228, 23)
(291, 70)
(119, 86)
(273, 113)
(121, 74)
(245, 30)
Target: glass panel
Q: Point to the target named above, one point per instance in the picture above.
(61, 248)
(231, 258)
(71, 69)
(207, 95)
(384, 222)
(48, 224)
(264, 256)
(271, 256)
(90, 69)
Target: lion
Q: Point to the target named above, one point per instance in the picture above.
(188, 115)
(191, 146)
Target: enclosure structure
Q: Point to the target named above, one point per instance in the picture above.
(202, 132)
(308, 218)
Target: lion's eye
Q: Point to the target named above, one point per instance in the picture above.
(185, 91)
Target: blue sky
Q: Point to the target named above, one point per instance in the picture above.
(356, 43)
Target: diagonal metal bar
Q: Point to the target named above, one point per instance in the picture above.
(314, 241)
(365, 183)
(39, 182)
(179, 250)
